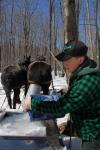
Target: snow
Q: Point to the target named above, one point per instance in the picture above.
(41, 144)
(13, 125)
(58, 84)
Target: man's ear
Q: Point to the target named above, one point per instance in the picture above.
(82, 58)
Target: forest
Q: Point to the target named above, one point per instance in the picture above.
(41, 27)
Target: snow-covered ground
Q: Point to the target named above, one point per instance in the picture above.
(58, 83)
(41, 144)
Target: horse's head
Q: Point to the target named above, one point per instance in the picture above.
(25, 62)
(39, 72)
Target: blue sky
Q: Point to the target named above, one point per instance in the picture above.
(43, 7)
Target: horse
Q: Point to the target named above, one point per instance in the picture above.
(13, 78)
(39, 72)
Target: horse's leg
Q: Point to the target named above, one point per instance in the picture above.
(26, 88)
(16, 98)
(45, 89)
(8, 95)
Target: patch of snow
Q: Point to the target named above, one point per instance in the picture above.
(58, 83)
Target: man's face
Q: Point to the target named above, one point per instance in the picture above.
(72, 64)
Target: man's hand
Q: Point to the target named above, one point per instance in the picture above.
(26, 103)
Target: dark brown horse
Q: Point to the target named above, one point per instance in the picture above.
(39, 72)
(13, 78)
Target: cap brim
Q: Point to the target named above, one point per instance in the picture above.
(63, 56)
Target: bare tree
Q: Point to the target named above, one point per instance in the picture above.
(11, 35)
(1, 37)
(89, 28)
(97, 37)
(70, 25)
(26, 30)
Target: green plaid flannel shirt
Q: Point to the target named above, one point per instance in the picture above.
(82, 101)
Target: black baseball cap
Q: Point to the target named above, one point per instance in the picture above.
(72, 49)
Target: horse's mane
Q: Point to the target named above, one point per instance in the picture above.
(11, 68)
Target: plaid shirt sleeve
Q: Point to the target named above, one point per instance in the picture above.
(81, 90)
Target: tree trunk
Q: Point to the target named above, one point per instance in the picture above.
(70, 25)
(89, 29)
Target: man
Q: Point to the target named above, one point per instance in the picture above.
(82, 100)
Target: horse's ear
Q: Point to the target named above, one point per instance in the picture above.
(19, 62)
(41, 58)
(28, 59)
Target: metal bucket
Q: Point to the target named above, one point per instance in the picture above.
(33, 89)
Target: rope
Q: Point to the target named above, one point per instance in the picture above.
(52, 85)
(3, 102)
(70, 141)
(19, 107)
